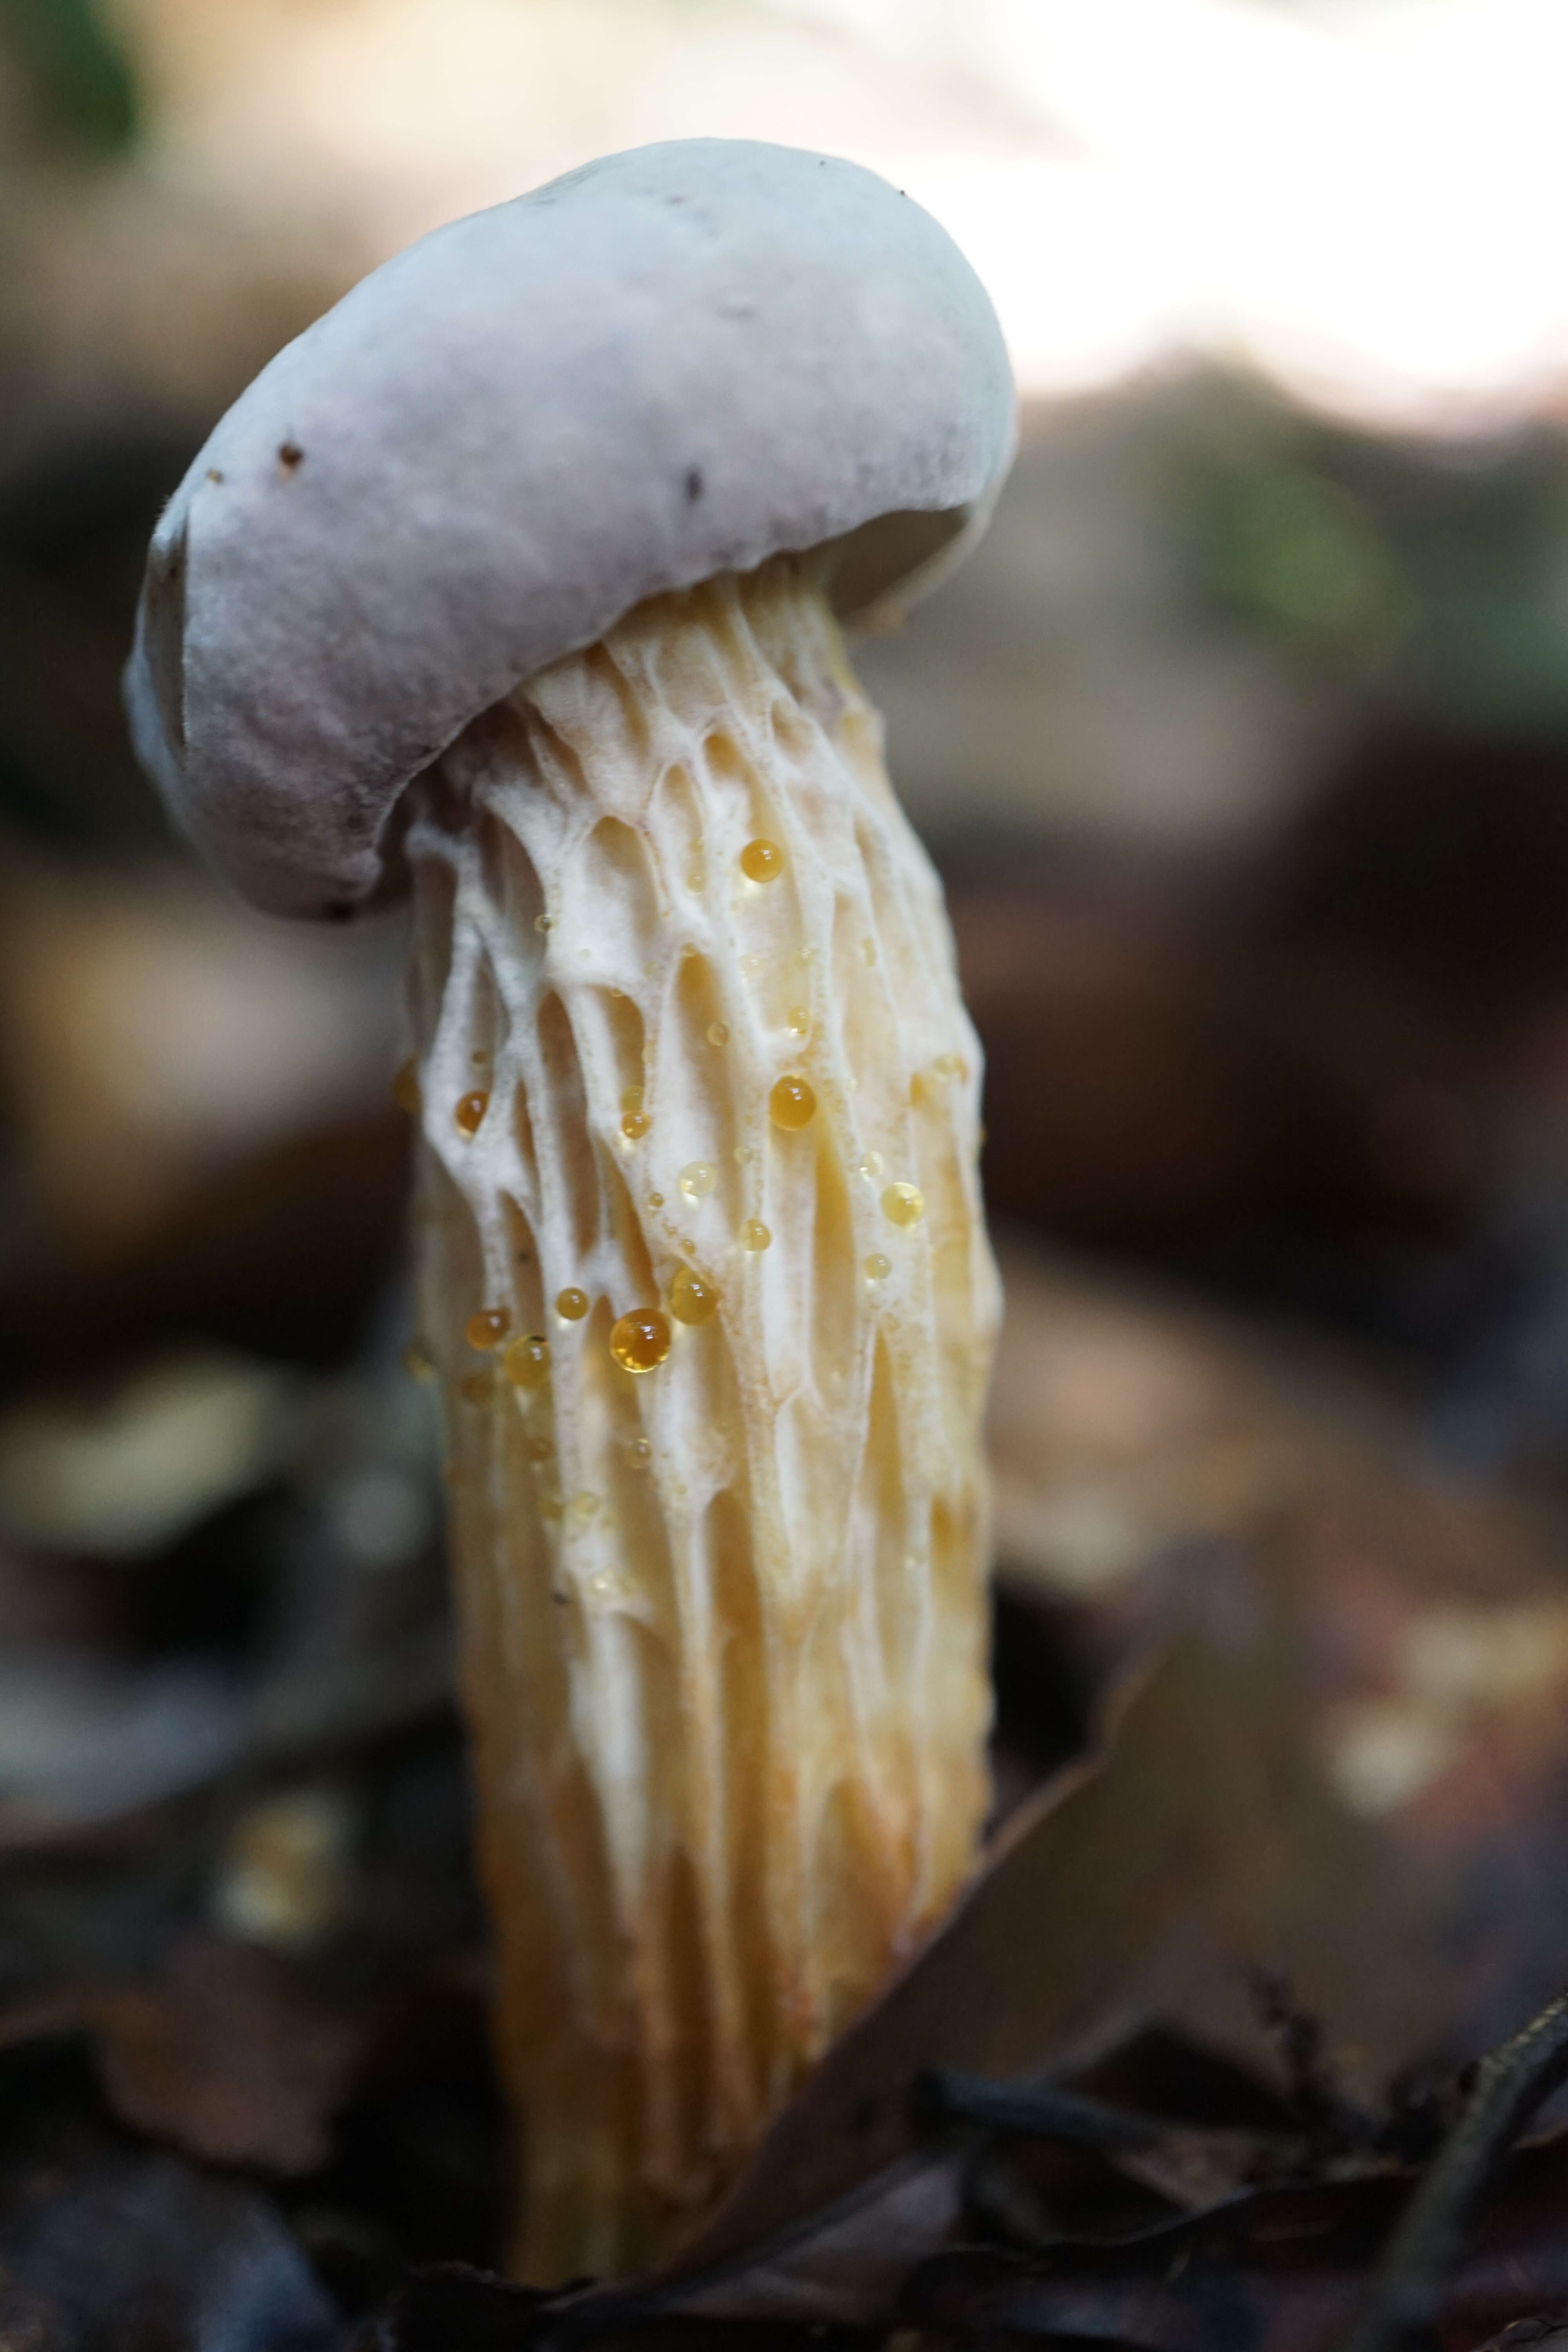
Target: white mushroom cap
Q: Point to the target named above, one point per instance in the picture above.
(672, 363)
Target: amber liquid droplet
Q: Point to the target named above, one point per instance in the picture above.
(655, 1199)
(698, 1179)
(877, 1268)
(755, 1235)
(798, 1021)
(762, 861)
(903, 1205)
(636, 1125)
(631, 1097)
(469, 1113)
(526, 1362)
(406, 1091)
(718, 1032)
(639, 1343)
(793, 1103)
(489, 1328)
(572, 1305)
(691, 1298)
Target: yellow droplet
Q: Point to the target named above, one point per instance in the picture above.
(762, 861)
(750, 965)
(418, 1361)
(541, 922)
(585, 1505)
(692, 1299)
(755, 1235)
(641, 1452)
(631, 1097)
(903, 1205)
(877, 1268)
(742, 1155)
(698, 1180)
(640, 1340)
(406, 1091)
(793, 1103)
(871, 1165)
(526, 1362)
(798, 1021)
(718, 1032)
(572, 1305)
(489, 1328)
(636, 1125)
(469, 1112)
(478, 1388)
(655, 1199)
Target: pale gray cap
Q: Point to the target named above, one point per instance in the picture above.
(673, 362)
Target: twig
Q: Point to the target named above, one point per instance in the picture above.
(945, 2094)
(1509, 2085)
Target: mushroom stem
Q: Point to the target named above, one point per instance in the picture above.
(692, 1054)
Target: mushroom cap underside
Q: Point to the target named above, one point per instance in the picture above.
(674, 362)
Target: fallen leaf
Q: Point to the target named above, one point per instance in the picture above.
(1284, 2270)
(225, 2054)
(453, 2309)
(1203, 1840)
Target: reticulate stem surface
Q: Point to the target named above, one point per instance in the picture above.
(704, 1275)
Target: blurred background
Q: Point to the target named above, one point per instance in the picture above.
(1242, 743)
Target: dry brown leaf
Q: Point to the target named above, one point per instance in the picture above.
(225, 2053)
(1213, 1838)
(1204, 1841)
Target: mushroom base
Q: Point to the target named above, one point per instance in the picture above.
(692, 1054)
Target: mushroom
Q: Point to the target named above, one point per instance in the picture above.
(518, 579)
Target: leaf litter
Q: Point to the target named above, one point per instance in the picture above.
(1175, 2062)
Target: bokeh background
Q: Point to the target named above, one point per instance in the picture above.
(1242, 743)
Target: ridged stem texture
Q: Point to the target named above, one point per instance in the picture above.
(704, 1278)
